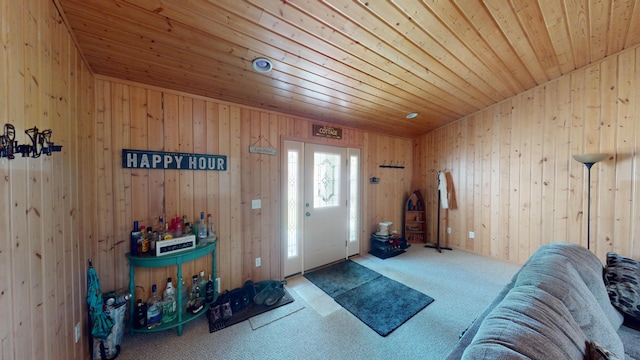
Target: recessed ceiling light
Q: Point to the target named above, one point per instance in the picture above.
(262, 65)
(412, 115)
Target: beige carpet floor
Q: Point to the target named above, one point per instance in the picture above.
(316, 327)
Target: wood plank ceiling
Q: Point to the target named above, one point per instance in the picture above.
(363, 64)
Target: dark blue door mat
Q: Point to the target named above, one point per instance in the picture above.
(381, 303)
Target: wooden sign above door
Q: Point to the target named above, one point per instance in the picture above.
(327, 131)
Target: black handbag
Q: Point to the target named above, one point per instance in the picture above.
(238, 298)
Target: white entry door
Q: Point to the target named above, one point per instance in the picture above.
(320, 205)
(325, 207)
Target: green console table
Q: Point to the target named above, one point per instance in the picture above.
(163, 261)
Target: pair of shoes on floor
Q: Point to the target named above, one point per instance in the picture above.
(269, 292)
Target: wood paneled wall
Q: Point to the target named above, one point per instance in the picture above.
(45, 217)
(136, 116)
(515, 183)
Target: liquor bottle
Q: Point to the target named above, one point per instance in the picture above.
(153, 235)
(202, 230)
(209, 291)
(166, 234)
(195, 289)
(202, 282)
(185, 296)
(196, 301)
(135, 236)
(154, 309)
(211, 229)
(169, 303)
(140, 316)
(144, 240)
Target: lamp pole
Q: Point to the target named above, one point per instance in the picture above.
(588, 160)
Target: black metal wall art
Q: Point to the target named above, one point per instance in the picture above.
(40, 143)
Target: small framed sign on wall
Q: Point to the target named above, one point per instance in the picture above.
(145, 159)
(327, 131)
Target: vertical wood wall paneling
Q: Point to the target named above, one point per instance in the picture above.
(133, 189)
(541, 192)
(235, 235)
(193, 124)
(86, 242)
(212, 177)
(42, 269)
(18, 184)
(35, 115)
(156, 198)
(6, 241)
(607, 171)
(224, 229)
(624, 147)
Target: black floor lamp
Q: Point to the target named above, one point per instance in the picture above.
(588, 160)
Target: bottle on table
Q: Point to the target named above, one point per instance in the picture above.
(202, 230)
(140, 316)
(177, 232)
(169, 305)
(196, 301)
(135, 239)
(154, 308)
(209, 290)
(185, 295)
(211, 229)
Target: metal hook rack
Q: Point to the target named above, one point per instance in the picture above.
(391, 166)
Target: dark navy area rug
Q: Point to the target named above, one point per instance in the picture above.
(381, 303)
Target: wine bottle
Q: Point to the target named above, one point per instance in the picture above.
(135, 237)
(209, 290)
(140, 316)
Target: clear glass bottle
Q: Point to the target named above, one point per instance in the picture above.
(196, 301)
(211, 229)
(154, 309)
(202, 230)
(185, 296)
(202, 282)
(169, 305)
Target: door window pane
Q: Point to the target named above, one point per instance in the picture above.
(326, 180)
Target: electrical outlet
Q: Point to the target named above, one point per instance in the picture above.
(77, 331)
(256, 204)
(258, 262)
(217, 283)
(472, 235)
(448, 230)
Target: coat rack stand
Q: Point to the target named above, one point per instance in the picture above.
(437, 244)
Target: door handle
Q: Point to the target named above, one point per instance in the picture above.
(307, 214)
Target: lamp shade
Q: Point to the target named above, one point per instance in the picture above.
(590, 158)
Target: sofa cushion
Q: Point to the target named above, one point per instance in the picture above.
(622, 278)
(528, 324)
(559, 278)
(589, 268)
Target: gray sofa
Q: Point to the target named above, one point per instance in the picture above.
(554, 305)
